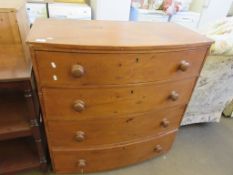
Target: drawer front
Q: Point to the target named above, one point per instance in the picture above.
(77, 69)
(74, 104)
(93, 160)
(88, 133)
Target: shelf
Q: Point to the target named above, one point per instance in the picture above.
(18, 155)
(14, 121)
(12, 64)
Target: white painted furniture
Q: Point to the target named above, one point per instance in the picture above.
(188, 19)
(69, 11)
(35, 11)
(211, 10)
(117, 10)
(148, 15)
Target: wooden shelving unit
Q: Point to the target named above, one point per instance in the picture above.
(14, 160)
(14, 122)
(22, 142)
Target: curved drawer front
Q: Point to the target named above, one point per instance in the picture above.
(89, 133)
(77, 69)
(90, 103)
(92, 160)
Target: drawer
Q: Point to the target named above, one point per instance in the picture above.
(86, 103)
(98, 159)
(57, 69)
(89, 133)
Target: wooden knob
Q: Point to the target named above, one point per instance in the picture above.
(80, 136)
(158, 148)
(174, 95)
(184, 65)
(82, 163)
(79, 105)
(165, 123)
(77, 71)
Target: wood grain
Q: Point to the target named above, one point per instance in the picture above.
(114, 101)
(12, 64)
(115, 69)
(105, 88)
(24, 28)
(15, 61)
(18, 155)
(67, 161)
(113, 130)
(9, 31)
(14, 121)
(112, 35)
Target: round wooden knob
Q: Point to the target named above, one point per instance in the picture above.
(165, 123)
(80, 136)
(158, 148)
(174, 95)
(79, 105)
(77, 71)
(184, 65)
(82, 163)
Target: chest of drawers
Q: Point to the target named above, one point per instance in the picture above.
(112, 93)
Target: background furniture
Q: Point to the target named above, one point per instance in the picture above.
(112, 97)
(36, 10)
(21, 144)
(213, 10)
(15, 57)
(148, 15)
(200, 14)
(69, 11)
(58, 9)
(111, 10)
(187, 19)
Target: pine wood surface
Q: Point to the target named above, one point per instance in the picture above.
(112, 35)
(115, 69)
(15, 63)
(111, 157)
(14, 121)
(106, 87)
(18, 155)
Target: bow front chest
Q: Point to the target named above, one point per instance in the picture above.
(112, 93)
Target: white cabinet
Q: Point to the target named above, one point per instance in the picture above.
(69, 11)
(148, 15)
(214, 10)
(36, 10)
(117, 10)
(187, 19)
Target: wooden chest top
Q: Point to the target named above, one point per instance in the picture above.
(109, 35)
